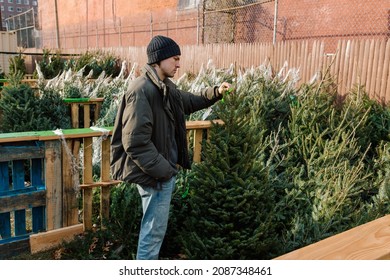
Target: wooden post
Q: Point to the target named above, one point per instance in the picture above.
(87, 179)
(87, 115)
(53, 178)
(105, 176)
(38, 212)
(18, 184)
(5, 218)
(74, 108)
(98, 107)
(198, 134)
(70, 177)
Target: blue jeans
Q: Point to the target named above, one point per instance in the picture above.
(155, 205)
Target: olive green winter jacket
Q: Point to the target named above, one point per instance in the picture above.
(150, 125)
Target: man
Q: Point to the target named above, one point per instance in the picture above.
(149, 138)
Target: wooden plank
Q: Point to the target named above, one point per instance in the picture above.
(49, 135)
(9, 153)
(87, 115)
(105, 176)
(378, 78)
(36, 172)
(365, 59)
(191, 125)
(351, 65)
(87, 209)
(96, 100)
(355, 68)
(342, 51)
(14, 248)
(37, 180)
(18, 174)
(53, 182)
(98, 108)
(370, 69)
(374, 71)
(370, 241)
(5, 218)
(87, 179)
(18, 184)
(22, 201)
(385, 73)
(70, 181)
(4, 177)
(99, 184)
(47, 240)
(198, 135)
(74, 110)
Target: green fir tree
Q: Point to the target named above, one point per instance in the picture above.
(231, 199)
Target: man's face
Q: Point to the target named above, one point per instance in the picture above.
(169, 66)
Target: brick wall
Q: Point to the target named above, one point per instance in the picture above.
(116, 23)
(131, 18)
(338, 18)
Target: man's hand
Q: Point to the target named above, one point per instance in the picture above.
(223, 88)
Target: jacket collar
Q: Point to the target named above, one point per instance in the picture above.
(152, 74)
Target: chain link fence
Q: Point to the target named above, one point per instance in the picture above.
(24, 24)
(222, 21)
(246, 21)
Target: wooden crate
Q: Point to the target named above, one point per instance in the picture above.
(22, 191)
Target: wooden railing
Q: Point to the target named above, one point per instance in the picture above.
(55, 196)
(61, 155)
(33, 83)
(91, 109)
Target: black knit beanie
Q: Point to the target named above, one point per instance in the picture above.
(160, 48)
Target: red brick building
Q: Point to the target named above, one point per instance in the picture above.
(112, 23)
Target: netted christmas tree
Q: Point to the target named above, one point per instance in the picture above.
(23, 110)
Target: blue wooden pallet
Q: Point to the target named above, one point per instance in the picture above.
(22, 189)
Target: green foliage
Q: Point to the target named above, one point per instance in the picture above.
(23, 110)
(51, 64)
(289, 167)
(53, 107)
(320, 166)
(119, 238)
(96, 62)
(20, 110)
(17, 64)
(92, 64)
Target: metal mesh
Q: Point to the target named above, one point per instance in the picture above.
(24, 25)
(246, 21)
(233, 21)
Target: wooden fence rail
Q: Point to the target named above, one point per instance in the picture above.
(57, 160)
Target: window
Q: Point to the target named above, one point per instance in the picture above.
(10, 9)
(19, 10)
(27, 2)
(35, 3)
(2, 8)
(10, 1)
(18, 1)
(187, 4)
